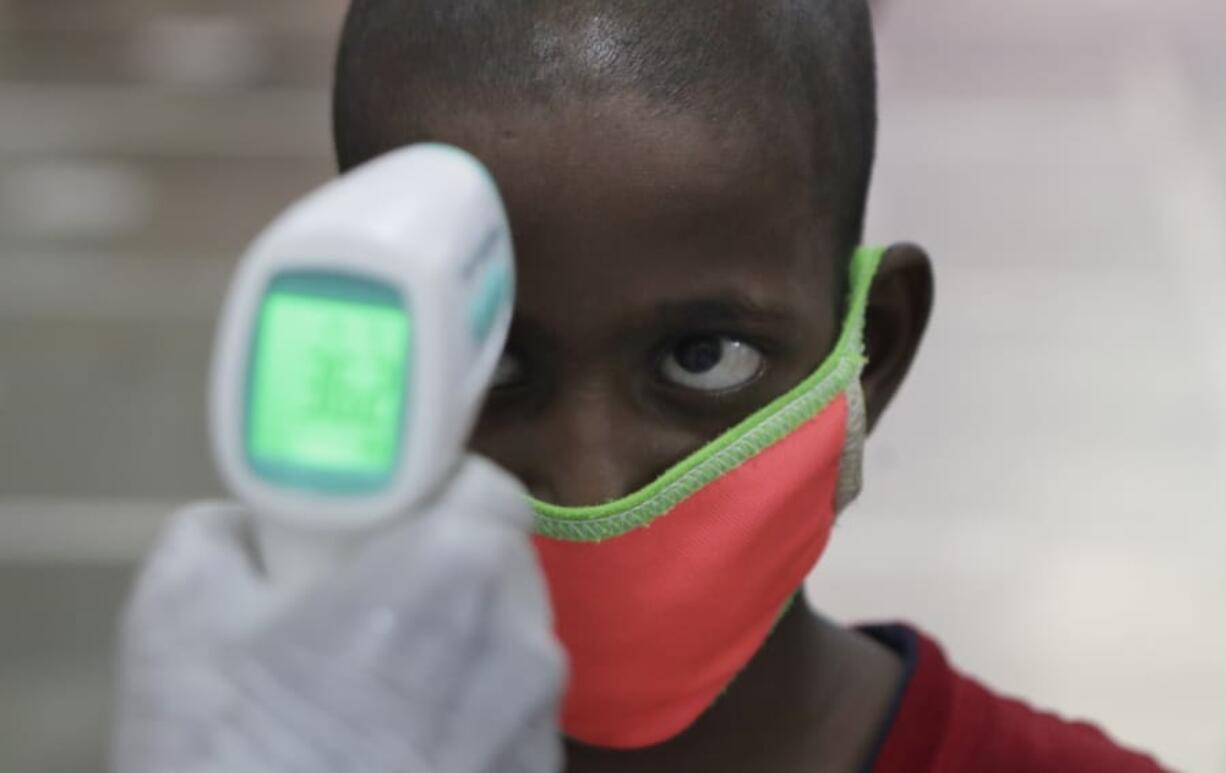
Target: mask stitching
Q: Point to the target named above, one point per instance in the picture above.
(771, 430)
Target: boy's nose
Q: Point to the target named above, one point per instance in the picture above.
(592, 450)
(583, 484)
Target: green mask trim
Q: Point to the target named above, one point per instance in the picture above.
(738, 444)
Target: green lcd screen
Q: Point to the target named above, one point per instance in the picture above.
(327, 383)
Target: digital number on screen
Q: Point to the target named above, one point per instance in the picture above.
(328, 385)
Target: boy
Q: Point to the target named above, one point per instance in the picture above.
(686, 183)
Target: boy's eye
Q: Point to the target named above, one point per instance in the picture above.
(712, 363)
(508, 373)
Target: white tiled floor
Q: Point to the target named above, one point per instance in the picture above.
(1047, 496)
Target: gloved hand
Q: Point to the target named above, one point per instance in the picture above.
(432, 651)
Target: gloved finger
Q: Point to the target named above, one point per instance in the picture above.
(440, 561)
(475, 655)
(423, 593)
(482, 490)
(514, 685)
(200, 583)
(416, 612)
(385, 661)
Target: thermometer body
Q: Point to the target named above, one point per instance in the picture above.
(354, 351)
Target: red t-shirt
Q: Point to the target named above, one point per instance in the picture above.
(944, 722)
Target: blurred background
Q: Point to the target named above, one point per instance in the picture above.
(1047, 496)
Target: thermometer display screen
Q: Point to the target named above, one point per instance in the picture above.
(327, 383)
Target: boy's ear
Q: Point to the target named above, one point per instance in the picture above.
(899, 306)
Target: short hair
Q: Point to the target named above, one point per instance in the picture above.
(756, 60)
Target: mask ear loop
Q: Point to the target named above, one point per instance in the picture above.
(851, 461)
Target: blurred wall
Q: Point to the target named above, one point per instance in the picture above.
(142, 144)
(1046, 496)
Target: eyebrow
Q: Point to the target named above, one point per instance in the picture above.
(725, 308)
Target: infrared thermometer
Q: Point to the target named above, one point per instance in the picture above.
(354, 350)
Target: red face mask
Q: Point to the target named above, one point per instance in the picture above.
(663, 597)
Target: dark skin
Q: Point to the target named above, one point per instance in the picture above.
(673, 278)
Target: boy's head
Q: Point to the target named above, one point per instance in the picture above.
(686, 182)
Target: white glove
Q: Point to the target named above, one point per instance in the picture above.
(433, 651)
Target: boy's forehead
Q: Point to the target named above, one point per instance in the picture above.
(604, 118)
(625, 138)
(621, 163)
(619, 170)
(620, 209)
